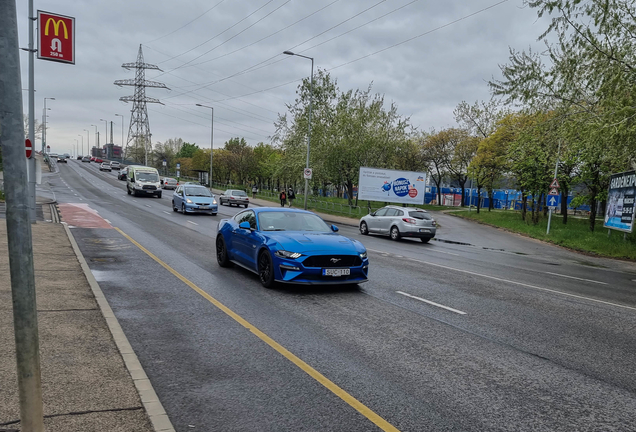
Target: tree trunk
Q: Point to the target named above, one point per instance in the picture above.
(349, 185)
(478, 198)
(439, 191)
(592, 211)
(463, 185)
(545, 205)
(491, 201)
(524, 205)
(564, 203)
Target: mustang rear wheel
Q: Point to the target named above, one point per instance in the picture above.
(221, 252)
(364, 230)
(266, 269)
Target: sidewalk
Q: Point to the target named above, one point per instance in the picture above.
(91, 379)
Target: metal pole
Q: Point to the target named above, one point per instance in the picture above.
(211, 139)
(311, 102)
(19, 237)
(88, 142)
(31, 160)
(82, 137)
(556, 168)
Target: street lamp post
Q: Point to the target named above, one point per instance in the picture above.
(82, 137)
(105, 136)
(44, 126)
(96, 136)
(88, 141)
(311, 102)
(76, 148)
(122, 134)
(211, 140)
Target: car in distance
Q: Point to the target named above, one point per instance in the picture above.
(169, 183)
(61, 159)
(194, 199)
(398, 222)
(114, 165)
(121, 175)
(290, 246)
(143, 180)
(234, 197)
(86, 159)
(99, 160)
(105, 166)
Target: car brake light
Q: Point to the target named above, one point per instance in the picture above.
(231, 197)
(247, 199)
(409, 220)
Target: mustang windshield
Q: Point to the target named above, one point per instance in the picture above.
(197, 191)
(291, 221)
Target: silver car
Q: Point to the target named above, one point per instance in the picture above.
(169, 183)
(234, 197)
(398, 222)
(105, 166)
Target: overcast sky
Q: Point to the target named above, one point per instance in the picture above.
(425, 55)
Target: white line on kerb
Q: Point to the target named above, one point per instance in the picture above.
(432, 303)
(514, 282)
(193, 223)
(147, 205)
(572, 277)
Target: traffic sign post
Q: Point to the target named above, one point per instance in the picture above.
(56, 37)
(308, 173)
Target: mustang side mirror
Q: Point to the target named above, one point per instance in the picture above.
(245, 225)
(334, 228)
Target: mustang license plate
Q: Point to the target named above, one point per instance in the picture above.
(336, 272)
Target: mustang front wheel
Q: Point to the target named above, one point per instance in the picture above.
(265, 269)
(221, 253)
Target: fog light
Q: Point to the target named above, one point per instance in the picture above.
(288, 267)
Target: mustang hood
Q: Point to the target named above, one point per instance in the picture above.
(302, 242)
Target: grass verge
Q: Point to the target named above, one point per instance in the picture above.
(575, 235)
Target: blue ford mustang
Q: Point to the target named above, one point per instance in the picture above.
(291, 246)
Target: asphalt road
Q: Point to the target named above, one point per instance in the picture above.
(499, 333)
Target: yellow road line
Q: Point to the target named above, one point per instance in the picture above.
(342, 394)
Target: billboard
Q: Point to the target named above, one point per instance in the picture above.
(404, 187)
(56, 37)
(619, 213)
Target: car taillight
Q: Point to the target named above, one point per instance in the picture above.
(247, 199)
(409, 220)
(232, 197)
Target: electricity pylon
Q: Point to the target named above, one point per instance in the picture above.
(139, 130)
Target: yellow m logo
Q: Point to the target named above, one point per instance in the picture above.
(56, 27)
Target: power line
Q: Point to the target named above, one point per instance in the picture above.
(186, 24)
(217, 35)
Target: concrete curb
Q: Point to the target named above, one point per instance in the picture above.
(152, 405)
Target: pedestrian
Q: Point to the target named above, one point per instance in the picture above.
(283, 198)
(291, 196)
(254, 190)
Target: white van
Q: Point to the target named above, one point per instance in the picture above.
(143, 180)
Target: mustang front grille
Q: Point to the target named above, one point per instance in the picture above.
(326, 261)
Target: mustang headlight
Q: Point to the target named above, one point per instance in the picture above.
(288, 254)
(363, 255)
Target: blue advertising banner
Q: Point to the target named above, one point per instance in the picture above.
(384, 185)
(619, 214)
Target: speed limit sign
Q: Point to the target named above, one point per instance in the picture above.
(308, 173)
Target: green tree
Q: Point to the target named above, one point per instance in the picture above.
(187, 150)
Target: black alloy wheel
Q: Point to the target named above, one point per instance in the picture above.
(221, 252)
(173, 207)
(183, 208)
(266, 269)
(364, 230)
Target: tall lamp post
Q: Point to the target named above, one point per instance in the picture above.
(96, 136)
(122, 134)
(82, 137)
(211, 139)
(44, 116)
(76, 147)
(88, 141)
(311, 102)
(105, 136)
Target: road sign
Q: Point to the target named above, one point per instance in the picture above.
(554, 191)
(178, 173)
(308, 173)
(165, 163)
(178, 166)
(29, 148)
(554, 184)
(56, 37)
(552, 201)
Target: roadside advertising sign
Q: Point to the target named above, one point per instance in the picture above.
(404, 187)
(56, 37)
(619, 213)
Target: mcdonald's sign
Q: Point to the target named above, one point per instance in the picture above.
(56, 37)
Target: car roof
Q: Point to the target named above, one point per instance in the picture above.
(280, 209)
(406, 208)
